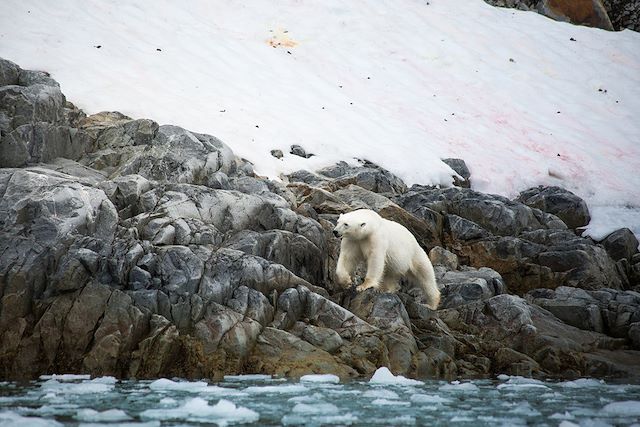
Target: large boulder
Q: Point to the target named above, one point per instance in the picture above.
(623, 13)
(621, 244)
(558, 201)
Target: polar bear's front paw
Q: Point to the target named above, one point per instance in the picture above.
(366, 285)
(343, 278)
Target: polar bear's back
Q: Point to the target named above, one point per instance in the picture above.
(402, 246)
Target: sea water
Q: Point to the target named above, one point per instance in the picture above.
(385, 399)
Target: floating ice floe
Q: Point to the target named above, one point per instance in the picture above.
(167, 384)
(283, 389)
(9, 418)
(84, 387)
(381, 393)
(429, 398)
(387, 402)
(627, 408)
(248, 377)
(525, 409)
(315, 408)
(304, 419)
(65, 377)
(384, 376)
(97, 416)
(401, 420)
(317, 378)
(192, 387)
(198, 410)
(518, 383)
(582, 383)
(315, 397)
(558, 416)
(168, 401)
(131, 424)
(458, 386)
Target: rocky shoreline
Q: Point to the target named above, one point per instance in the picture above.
(138, 250)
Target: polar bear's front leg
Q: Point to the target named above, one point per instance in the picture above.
(346, 264)
(375, 269)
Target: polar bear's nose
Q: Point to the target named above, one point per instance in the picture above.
(335, 233)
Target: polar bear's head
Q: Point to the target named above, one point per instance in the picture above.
(356, 225)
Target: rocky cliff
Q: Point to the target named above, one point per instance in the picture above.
(138, 250)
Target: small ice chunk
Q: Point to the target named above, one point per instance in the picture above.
(65, 377)
(384, 376)
(167, 384)
(525, 409)
(305, 419)
(626, 408)
(131, 424)
(315, 408)
(283, 389)
(458, 386)
(521, 387)
(317, 378)
(315, 397)
(566, 423)
(248, 377)
(558, 416)
(517, 383)
(387, 402)
(429, 398)
(108, 415)
(105, 380)
(54, 386)
(582, 383)
(9, 418)
(168, 401)
(402, 420)
(462, 419)
(199, 410)
(381, 393)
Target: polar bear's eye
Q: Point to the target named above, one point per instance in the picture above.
(346, 225)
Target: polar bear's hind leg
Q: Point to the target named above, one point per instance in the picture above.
(423, 274)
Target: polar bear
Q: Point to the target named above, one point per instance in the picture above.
(389, 250)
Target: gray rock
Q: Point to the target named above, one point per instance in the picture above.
(9, 73)
(462, 287)
(441, 256)
(460, 167)
(368, 176)
(297, 150)
(621, 244)
(277, 154)
(496, 214)
(623, 13)
(557, 201)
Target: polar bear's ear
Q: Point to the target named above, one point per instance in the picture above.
(363, 224)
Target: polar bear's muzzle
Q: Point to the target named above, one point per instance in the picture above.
(336, 233)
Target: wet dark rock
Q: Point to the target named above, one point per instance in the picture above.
(460, 167)
(557, 201)
(297, 150)
(621, 244)
(496, 214)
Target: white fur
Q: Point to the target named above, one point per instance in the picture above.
(389, 250)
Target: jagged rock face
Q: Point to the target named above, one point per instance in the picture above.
(623, 13)
(557, 201)
(153, 251)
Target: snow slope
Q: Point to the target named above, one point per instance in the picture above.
(402, 83)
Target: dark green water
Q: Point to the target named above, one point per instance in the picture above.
(260, 400)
